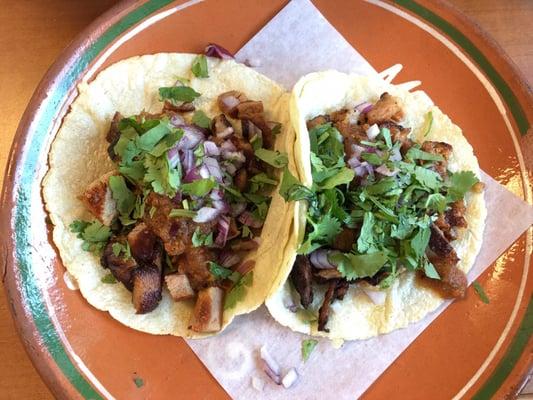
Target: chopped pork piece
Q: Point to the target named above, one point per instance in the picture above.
(318, 120)
(445, 227)
(341, 289)
(324, 275)
(251, 110)
(249, 129)
(174, 232)
(147, 288)
(179, 287)
(439, 245)
(221, 127)
(195, 264)
(455, 215)
(399, 134)
(207, 314)
(301, 277)
(241, 179)
(442, 149)
(387, 108)
(145, 247)
(121, 266)
(323, 312)
(183, 107)
(228, 102)
(99, 200)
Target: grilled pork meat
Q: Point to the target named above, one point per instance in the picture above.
(442, 149)
(301, 277)
(194, 263)
(387, 108)
(228, 102)
(147, 287)
(207, 314)
(121, 266)
(318, 120)
(98, 199)
(179, 287)
(323, 312)
(345, 239)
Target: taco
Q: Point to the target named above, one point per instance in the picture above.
(391, 208)
(161, 190)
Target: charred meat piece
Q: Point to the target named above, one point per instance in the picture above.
(243, 146)
(147, 287)
(445, 227)
(228, 102)
(145, 247)
(317, 121)
(345, 239)
(113, 135)
(323, 312)
(195, 264)
(439, 245)
(207, 314)
(249, 129)
(175, 233)
(250, 109)
(179, 287)
(183, 107)
(455, 214)
(399, 134)
(441, 149)
(121, 266)
(221, 127)
(346, 123)
(453, 282)
(324, 275)
(387, 108)
(301, 277)
(99, 200)
(341, 289)
(241, 180)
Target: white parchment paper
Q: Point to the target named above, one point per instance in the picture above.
(297, 41)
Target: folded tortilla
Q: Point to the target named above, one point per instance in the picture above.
(356, 316)
(78, 156)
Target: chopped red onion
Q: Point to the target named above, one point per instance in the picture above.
(228, 258)
(223, 228)
(357, 150)
(372, 132)
(204, 172)
(247, 218)
(192, 175)
(206, 214)
(217, 194)
(222, 206)
(237, 209)
(369, 168)
(290, 378)
(364, 107)
(177, 120)
(319, 259)
(395, 154)
(215, 50)
(377, 296)
(191, 138)
(177, 198)
(214, 168)
(173, 157)
(383, 170)
(354, 162)
(227, 145)
(211, 149)
(187, 160)
(272, 365)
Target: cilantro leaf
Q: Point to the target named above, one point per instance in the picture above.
(420, 241)
(288, 181)
(201, 239)
(343, 177)
(199, 67)
(218, 271)
(385, 132)
(122, 195)
(481, 292)
(365, 242)
(138, 382)
(437, 202)
(163, 179)
(430, 271)
(199, 187)
(178, 93)
(427, 177)
(272, 157)
(180, 212)
(149, 139)
(199, 118)
(94, 234)
(238, 292)
(460, 183)
(354, 266)
(323, 232)
(416, 154)
(308, 345)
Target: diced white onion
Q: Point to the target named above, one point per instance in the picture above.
(376, 295)
(206, 214)
(289, 378)
(372, 132)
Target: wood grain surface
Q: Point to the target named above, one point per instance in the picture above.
(33, 33)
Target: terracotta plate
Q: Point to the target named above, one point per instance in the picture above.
(474, 350)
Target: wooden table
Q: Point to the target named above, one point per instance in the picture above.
(33, 33)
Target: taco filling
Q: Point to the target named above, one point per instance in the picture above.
(186, 205)
(380, 204)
